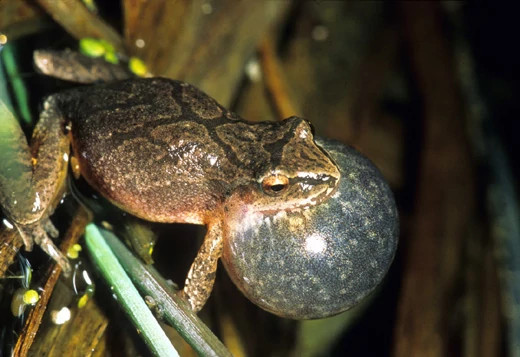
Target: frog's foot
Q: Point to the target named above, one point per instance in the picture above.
(76, 67)
(37, 233)
(50, 229)
(201, 276)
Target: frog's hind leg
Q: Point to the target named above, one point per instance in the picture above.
(201, 276)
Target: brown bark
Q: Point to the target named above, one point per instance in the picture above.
(443, 208)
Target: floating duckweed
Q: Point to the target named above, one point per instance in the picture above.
(73, 252)
(137, 66)
(96, 48)
(31, 297)
(111, 57)
(21, 299)
(89, 291)
(83, 300)
(107, 45)
(91, 47)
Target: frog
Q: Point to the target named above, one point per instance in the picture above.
(165, 151)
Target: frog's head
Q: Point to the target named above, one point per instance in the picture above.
(298, 173)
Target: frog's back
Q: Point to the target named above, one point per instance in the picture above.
(136, 102)
(148, 145)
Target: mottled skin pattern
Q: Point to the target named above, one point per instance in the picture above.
(166, 152)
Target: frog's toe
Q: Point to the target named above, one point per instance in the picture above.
(27, 236)
(48, 226)
(37, 232)
(48, 247)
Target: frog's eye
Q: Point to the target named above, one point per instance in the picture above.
(275, 184)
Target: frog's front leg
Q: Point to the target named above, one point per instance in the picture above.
(32, 180)
(50, 151)
(201, 276)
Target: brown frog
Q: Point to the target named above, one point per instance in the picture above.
(164, 151)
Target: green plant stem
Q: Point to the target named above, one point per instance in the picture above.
(127, 294)
(171, 306)
(13, 75)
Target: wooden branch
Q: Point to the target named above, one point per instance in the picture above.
(431, 290)
(11, 243)
(203, 43)
(77, 20)
(35, 316)
(274, 81)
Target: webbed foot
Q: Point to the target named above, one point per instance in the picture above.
(38, 233)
